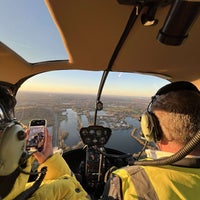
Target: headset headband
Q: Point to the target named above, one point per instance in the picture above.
(173, 87)
(177, 86)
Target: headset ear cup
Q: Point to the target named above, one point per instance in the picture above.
(147, 126)
(12, 146)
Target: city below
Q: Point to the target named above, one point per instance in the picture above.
(67, 113)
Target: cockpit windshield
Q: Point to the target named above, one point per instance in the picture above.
(67, 100)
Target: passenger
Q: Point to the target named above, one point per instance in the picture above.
(172, 119)
(59, 181)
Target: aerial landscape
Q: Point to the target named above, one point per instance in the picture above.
(67, 113)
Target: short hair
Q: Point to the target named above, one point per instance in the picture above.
(182, 115)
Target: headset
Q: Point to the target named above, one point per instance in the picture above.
(12, 135)
(12, 144)
(150, 125)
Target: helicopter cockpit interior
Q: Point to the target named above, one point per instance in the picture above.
(112, 50)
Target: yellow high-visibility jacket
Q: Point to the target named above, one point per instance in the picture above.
(59, 182)
(156, 182)
(167, 182)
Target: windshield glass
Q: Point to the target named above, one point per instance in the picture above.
(66, 99)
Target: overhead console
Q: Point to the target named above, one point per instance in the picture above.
(178, 22)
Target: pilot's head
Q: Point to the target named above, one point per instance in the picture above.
(12, 135)
(173, 114)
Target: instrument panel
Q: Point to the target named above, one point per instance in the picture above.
(95, 135)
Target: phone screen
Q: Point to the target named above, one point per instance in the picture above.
(36, 137)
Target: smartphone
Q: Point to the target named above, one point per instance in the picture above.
(36, 136)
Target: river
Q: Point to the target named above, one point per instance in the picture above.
(120, 139)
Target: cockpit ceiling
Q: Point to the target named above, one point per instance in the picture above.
(90, 31)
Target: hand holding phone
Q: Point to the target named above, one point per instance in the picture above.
(47, 151)
(36, 136)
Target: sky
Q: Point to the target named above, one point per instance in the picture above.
(27, 28)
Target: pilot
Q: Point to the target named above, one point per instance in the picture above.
(55, 179)
(172, 121)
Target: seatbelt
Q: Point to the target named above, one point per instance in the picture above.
(7, 183)
(28, 193)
